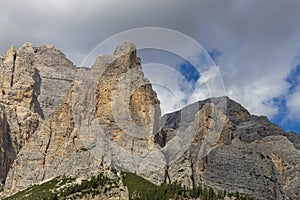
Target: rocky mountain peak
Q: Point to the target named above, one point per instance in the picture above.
(58, 120)
(125, 48)
(27, 46)
(117, 131)
(236, 112)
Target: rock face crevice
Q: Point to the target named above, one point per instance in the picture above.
(13, 69)
(7, 151)
(37, 92)
(57, 119)
(46, 152)
(193, 172)
(167, 177)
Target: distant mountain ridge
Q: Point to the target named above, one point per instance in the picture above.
(61, 120)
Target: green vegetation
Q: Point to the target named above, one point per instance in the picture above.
(61, 187)
(138, 188)
(89, 186)
(42, 191)
(141, 189)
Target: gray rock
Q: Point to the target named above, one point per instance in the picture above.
(294, 138)
(32, 82)
(91, 128)
(256, 158)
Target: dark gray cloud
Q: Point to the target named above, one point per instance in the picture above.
(259, 40)
(78, 26)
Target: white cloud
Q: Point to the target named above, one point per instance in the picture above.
(257, 96)
(169, 84)
(258, 39)
(210, 84)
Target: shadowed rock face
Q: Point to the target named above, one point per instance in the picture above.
(57, 119)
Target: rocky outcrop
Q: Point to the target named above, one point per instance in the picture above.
(35, 78)
(128, 111)
(52, 151)
(124, 115)
(294, 138)
(54, 74)
(195, 131)
(57, 119)
(19, 117)
(96, 125)
(252, 155)
(32, 82)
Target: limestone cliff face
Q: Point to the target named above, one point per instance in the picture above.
(189, 136)
(18, 103)
(53, 150)
(124, 114)
(35, 78)
(54, 76)
(57, 119)
(128, 111)
(18, 99)
(107, 119)
(250, 154)
(32, 82)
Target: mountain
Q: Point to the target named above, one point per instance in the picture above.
(68, 130)
(33, 81)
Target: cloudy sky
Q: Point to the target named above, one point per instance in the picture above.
(254, 43)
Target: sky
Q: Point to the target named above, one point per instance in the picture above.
(255, 45)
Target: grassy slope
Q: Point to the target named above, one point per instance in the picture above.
(138, 188)
(45, 190)
(61, 187)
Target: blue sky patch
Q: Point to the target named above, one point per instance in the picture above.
(189, 71)
(282, 118)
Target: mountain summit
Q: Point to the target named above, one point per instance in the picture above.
(67, 124)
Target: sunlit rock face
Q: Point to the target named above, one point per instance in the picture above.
(32, 82)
